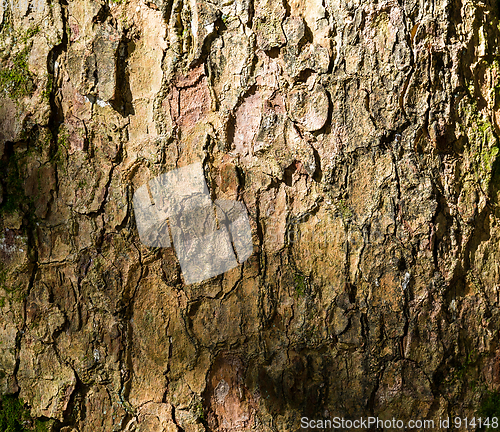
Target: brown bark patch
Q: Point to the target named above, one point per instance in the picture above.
(230, 405)
(190, 99)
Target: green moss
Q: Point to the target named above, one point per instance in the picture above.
(32, 31)
(490, 407)
(483, 146)
(60, 156)
(15, 417)
(488, 157)
(16, 80)
(199, 411)
(11, 415)
(344, 210)
(62, 138)
(48, 88)
(300, 282)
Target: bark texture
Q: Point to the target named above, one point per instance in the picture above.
(362, 136)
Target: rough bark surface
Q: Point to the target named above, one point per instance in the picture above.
(362, 136)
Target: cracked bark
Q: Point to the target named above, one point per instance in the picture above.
(362, 138)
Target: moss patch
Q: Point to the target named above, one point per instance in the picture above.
(344, 210)
(301, 286)
(15, 417)
(490, 407)
(16, 81)
(483, 143)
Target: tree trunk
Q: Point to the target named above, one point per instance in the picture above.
(362, 139)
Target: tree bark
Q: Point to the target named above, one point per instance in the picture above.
(362, 138)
